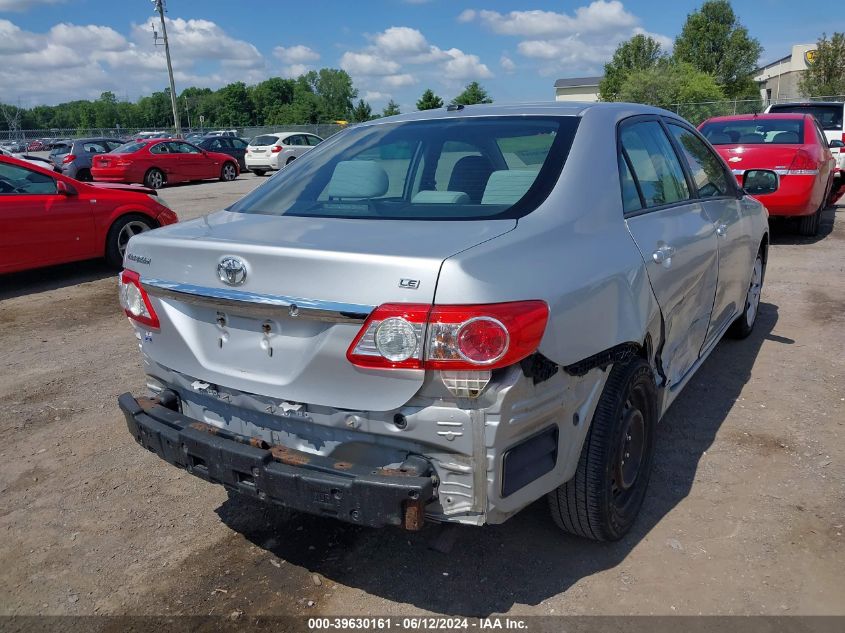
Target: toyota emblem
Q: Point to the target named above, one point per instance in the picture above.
(231, 271)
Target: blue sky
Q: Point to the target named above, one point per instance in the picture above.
(56, 50)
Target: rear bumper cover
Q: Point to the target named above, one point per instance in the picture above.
(356, 493)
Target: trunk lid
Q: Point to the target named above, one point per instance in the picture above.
(245, 337)
(741, 158)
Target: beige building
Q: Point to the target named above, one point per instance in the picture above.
(577, 89)
(778, 80)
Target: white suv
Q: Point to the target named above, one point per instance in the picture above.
(268, 152)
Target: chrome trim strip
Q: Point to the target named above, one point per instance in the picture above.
(252, 303)
(779, 172)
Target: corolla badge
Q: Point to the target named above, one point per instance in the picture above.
(231, 271)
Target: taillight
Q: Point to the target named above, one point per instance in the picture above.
(803, 165)
(276, 149)
(135, 301)
(461, 337)
(69, 158)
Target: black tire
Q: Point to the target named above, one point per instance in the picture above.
(604, 497)
(154, 178)
(120, 233)
(290, 160)
(744, 323)
(228, 172)
(259, 172)
(84, 175)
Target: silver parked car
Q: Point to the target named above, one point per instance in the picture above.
(448, 314)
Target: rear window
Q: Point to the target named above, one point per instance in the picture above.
(755, 132)
(828, 116)
(266, 139)
(60, 149)
(128, 148)
(457, 169)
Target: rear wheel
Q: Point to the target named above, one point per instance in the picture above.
(84, 175)
(808, 226)
(123, 229)
(744, 323)
(604, 497)
(154, 179)
(290, 160)
(228, 173)
(259, 172)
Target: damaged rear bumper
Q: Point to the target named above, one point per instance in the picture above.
(315, 484)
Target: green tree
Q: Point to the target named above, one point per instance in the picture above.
(236, 105)
(429, 101)
(825, 77)
(269, 94)
(334, 90)
(671, 83)
(714, 42)
(391, 109)
(361, 112)
(472, 94)
(641, 52)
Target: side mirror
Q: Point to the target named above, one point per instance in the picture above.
(64, 189)
(835, 143)
(759, 182)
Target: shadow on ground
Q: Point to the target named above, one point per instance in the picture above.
(785, 230)
(537, 559)
(53, 278)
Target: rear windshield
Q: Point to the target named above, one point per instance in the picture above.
(267, 139)
(755, 132)
(457, 169)
(128, 148)
(60, 149)
(828, 116)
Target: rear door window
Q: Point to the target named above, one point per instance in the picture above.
(94, 148)
(655, 165)
(313, 140)
(708, 173)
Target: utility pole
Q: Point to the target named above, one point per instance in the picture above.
(188, 114)
(159, 6)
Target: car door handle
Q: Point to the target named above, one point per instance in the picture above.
(722, 230)
(663, 255)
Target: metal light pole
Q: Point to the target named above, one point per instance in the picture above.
(159, 6)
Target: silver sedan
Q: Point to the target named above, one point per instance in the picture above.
(449, 314)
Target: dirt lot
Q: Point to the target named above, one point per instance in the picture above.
(745, 513)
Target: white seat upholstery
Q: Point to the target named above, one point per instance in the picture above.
(508, 186)
(358, 179)
(441, 197)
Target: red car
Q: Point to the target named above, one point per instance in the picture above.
(47, 218)
(156, 162)
(793, 146)
(35, 146)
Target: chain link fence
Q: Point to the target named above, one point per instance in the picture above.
(697, 112)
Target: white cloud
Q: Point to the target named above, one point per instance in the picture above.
(467, 15)
(401, 40)
(367, 64)
(24, 5)
(375, 95)
(298, 54)
(598, 17)
(203, 55)
(398, 56)
(295, 70)
(400, 81)
(577, 42)
(463, 66)
(507, 64)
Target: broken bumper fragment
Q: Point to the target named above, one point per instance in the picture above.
(357, 493)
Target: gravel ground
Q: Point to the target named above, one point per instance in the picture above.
(744, 515)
